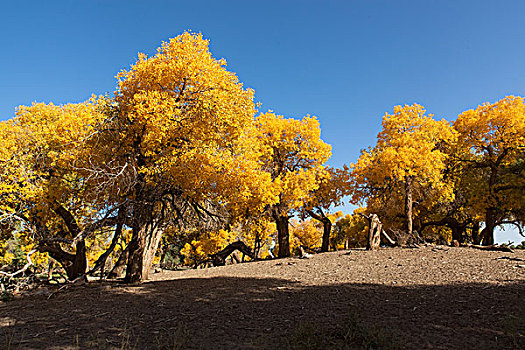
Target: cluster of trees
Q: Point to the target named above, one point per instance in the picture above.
(447, 179)
(178, 151)
(180, 157)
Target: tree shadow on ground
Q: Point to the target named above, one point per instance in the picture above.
(262, 313)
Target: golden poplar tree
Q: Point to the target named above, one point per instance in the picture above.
(490, 153)
(42, 186)
(407, 164)
(293, 154)
(178, 139)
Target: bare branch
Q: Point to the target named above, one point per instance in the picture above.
(23, 269)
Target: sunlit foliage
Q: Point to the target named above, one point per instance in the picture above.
(293, 154)
(489, 154)
(406, 165)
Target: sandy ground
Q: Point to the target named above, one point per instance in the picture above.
(434, 297)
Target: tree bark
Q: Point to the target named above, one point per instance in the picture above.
(327, 228)
(219, 258)
(283, 235)
(143, 245)
(152, 245)
(476, 237)
(487, 234)
(120, 266)
(408, 203)
(75, 265)
(80, 264)
(141, 253)
(374, 232)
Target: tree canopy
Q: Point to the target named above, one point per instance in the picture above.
(406, 165)
(178, 160)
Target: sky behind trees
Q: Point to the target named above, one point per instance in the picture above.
(347, 62)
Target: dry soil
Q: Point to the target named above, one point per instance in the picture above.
(434, 297)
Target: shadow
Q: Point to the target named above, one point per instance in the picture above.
(261, 313)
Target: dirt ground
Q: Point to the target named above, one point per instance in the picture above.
(434, 297)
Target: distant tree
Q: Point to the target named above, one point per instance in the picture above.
(406, 165)
(350, 231)
(293, 154)
(307, 234)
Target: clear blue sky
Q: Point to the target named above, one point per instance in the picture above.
(347, 62)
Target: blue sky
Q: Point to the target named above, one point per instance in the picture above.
(347, 62)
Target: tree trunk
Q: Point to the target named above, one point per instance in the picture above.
(152, 245)
(136, 247)
(283, 235)
(75, 265)
(50, 267)
(476, 237)
(387, 238)
(80, 264)
(101, 261)
(257, 245)
(327, 228)
(408, 203)
(143, 245)
(374, 232)
(219, 258)
(457, 233)
(120, 266)
(142, 249)
(487, 234)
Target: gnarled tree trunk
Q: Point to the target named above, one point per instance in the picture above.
(120, 266)
(219, 258)
(283, 235)
(143, 245)
(75, 264)
(374, 232)
(327, 228)
(487, 234)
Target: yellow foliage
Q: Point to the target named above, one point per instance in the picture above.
(199, 249)
(306, 233)
(334, 184)
(491, 141)
(411, 149)
(293, 154)
(351, 231)
(257, 233)
(194, 121)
